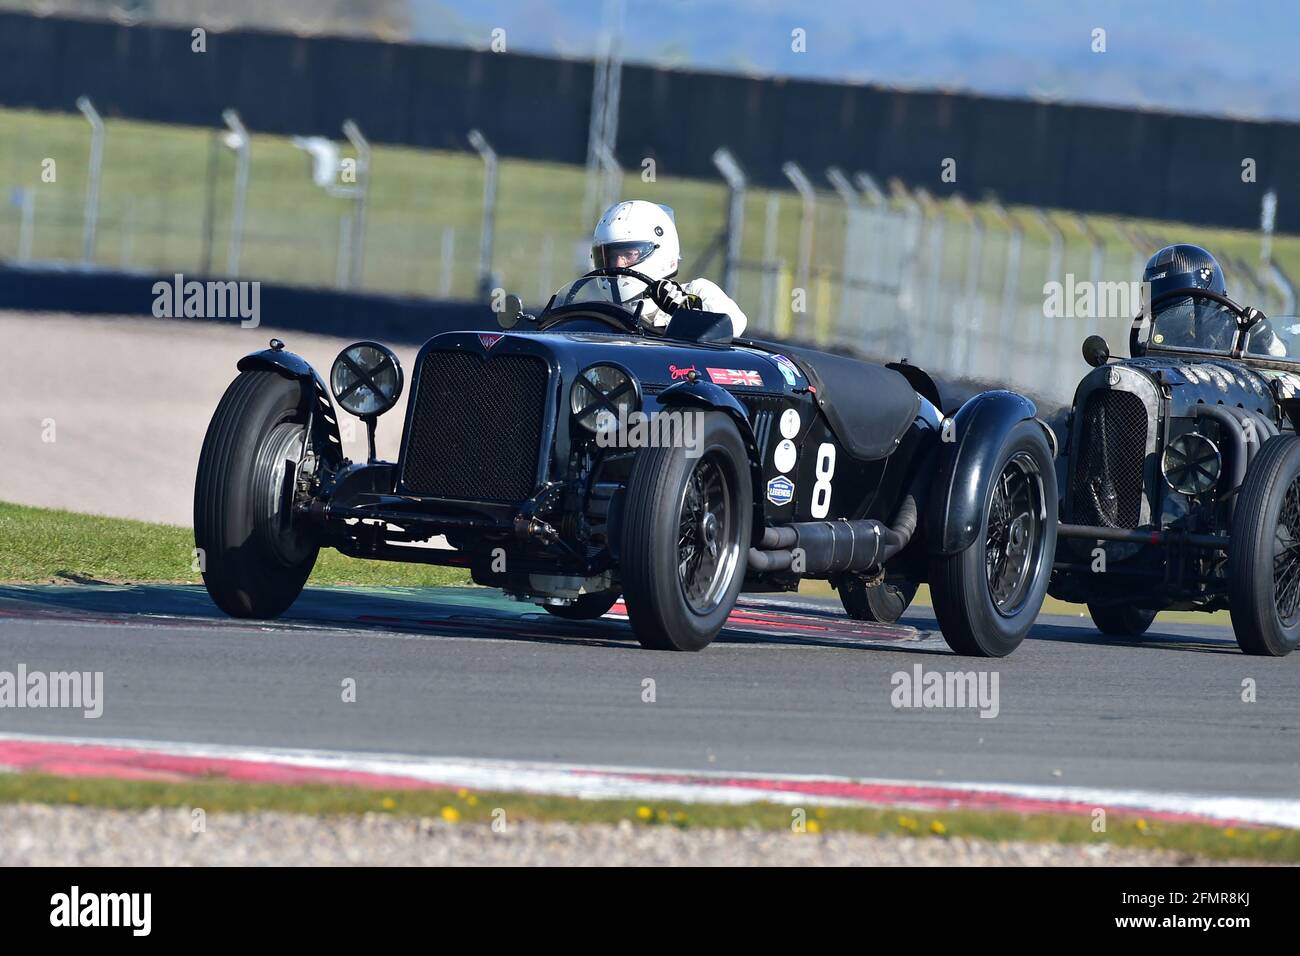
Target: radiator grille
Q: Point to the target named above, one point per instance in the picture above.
(1108, 468)
(476, 429)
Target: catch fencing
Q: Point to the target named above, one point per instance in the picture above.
(959, 288)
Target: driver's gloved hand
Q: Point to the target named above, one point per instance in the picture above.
(670, 296)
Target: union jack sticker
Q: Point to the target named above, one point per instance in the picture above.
(735, 376)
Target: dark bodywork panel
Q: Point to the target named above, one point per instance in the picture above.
(1124, 416)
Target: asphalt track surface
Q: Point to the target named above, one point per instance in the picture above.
(791, 686)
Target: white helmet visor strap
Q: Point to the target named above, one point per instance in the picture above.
(625, 254)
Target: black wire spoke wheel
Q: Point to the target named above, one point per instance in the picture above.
(1014, 533)
(708, 541)
(1263, 574)
(987, 593)
(684, 537)
(1286, 556)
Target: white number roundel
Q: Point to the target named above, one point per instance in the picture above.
(825, 471)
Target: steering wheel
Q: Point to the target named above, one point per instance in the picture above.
(624, 316)
(651, 285)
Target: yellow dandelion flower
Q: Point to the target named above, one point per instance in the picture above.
(645, 813)
(907, 823)
(820, 813)
(1230, 833)
(451, 814)
(937, 827)
(388, 803)
(1142, 825)
(814, 826)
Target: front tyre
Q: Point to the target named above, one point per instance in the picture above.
(685, 539)
(255, 556)
(987, 596)
(1264, 552)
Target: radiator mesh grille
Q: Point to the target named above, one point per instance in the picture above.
(1107, 478)
(476, 430)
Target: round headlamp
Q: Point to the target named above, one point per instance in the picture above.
(601, 395)
(366, 379)
(1191, 463)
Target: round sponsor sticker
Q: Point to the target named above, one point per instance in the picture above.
(789, 423)
(785, 455)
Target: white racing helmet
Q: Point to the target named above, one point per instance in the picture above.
(638, 235)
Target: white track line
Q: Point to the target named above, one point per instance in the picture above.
(609, 782)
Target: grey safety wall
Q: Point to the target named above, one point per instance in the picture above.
(1091, 159)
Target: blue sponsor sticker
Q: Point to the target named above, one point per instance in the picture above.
(789, 371)
(780, 490)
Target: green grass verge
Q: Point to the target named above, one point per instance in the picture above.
(1265, 845)
(43, 545)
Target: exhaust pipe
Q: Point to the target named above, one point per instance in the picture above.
(830, 547)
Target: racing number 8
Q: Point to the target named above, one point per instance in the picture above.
(821, 496)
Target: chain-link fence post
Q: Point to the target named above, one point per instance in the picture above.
(851, 279)
(735, 178)
(90, 217)
(26, 223)
(1048, 329)
(360, 199)
(970, 314)
(1011, 276)
(486, 280)
(807, 221)
(237, 140)
(771, 266)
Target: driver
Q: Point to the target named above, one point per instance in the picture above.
(1184, 321)
(1192, 322)
(642, 236)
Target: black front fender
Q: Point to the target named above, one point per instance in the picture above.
(316, 401)
(709, 397)
(968, 449)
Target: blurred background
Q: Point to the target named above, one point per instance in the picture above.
(899, 180)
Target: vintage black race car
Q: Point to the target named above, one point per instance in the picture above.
(579, 456)
(1181, 480)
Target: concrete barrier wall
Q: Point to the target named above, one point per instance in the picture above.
(1092, 159)
(321, 311)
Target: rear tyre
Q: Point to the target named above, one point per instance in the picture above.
(987, 597)
(1121, 620)
(1264, 552)
(685, 539)
(255, 556)
(587, 607)
(881, 603)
